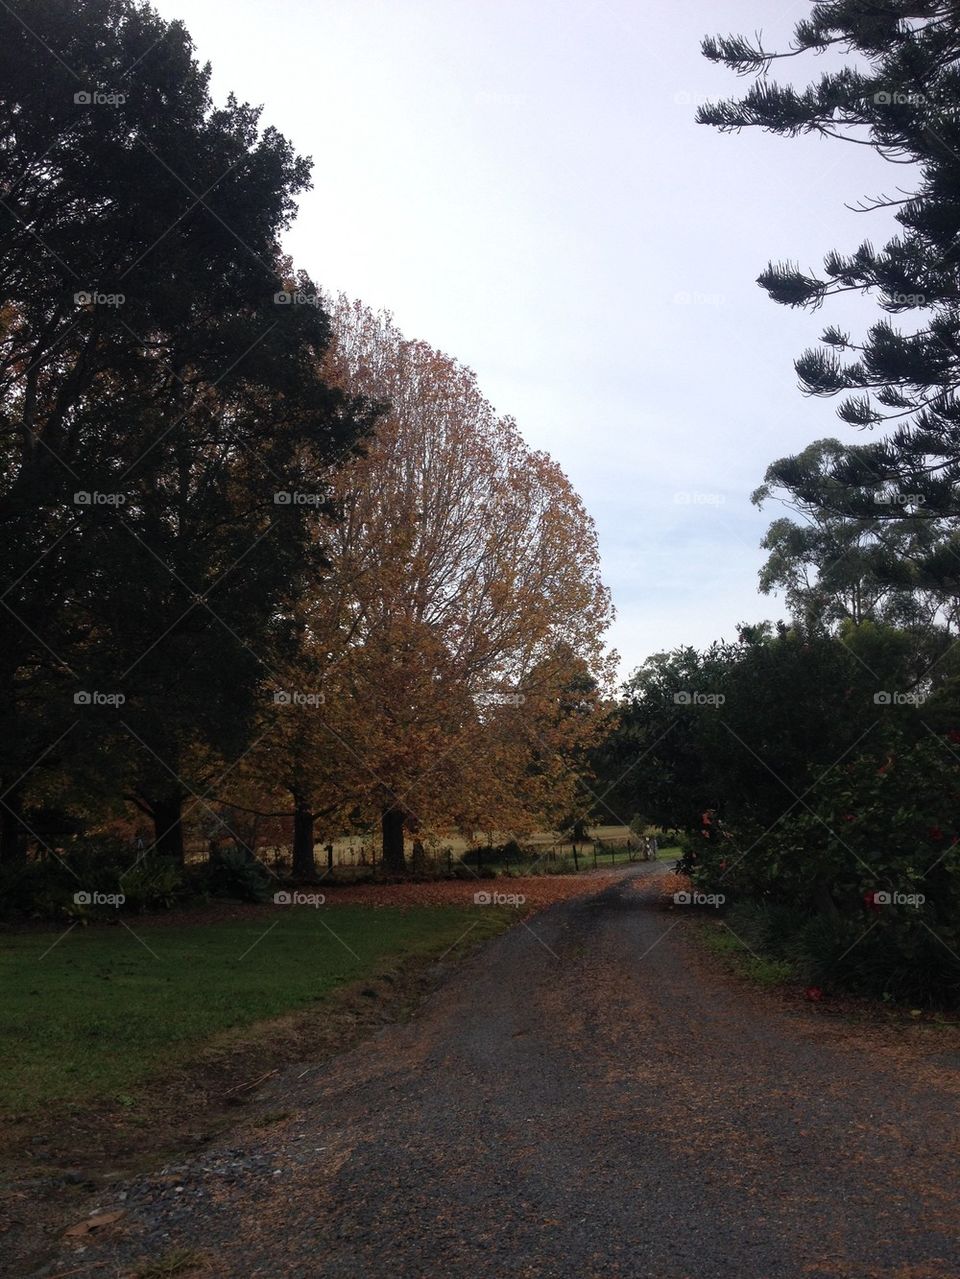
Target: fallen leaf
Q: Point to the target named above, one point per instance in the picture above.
(94, 1223)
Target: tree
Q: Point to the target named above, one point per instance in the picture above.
(461, 597)
(160, 385)
(898, 93)
(808, 772)
(744, 728)
(834, 568)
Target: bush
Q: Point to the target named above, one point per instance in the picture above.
(238, 875)
(891, 956)
(48, 887)
(509, 852)
(859, 885)
(155, 883)
(37, 888)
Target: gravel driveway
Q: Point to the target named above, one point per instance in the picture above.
(586, 1096)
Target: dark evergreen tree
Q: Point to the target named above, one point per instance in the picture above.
(899, 93)
(146, 362)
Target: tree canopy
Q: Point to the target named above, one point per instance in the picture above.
(896, 92)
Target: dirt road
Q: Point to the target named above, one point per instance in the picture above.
(587, 1096)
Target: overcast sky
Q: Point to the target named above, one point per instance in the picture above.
(521, 182)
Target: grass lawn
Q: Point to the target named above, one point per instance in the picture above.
(565, 865)
(101, 1012)
(614, 856)
(347, 848)
(760, 968)
(620, 856)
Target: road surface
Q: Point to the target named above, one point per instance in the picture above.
(586, 1096)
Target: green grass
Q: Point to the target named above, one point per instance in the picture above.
(565, 864)
(761, 969)
(101, 1012)
(620, 855)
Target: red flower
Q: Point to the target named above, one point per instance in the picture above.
(935, 833)
(954, 735)
(849, 817)
(870, 901)
(814, 994)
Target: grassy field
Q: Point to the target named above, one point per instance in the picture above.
(348, 850)
(604, 857)
(104, 1010)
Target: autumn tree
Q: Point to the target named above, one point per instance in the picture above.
(463, 589)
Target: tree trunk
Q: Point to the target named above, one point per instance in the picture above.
(304, 862)
(394, 862)
(168, 827)
(12, 846)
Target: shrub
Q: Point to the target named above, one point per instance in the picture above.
(238, 875)
(155, 883)
(891, 955)
(859, 885)
(37, 888)
(46, 887)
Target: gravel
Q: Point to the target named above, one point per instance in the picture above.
(587, 1095)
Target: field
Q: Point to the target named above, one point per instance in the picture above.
(363, 850)
(97, 1013)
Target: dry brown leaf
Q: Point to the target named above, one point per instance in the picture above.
(93, 1223)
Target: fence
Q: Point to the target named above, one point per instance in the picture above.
(363, 854)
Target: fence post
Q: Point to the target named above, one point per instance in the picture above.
(576, 863)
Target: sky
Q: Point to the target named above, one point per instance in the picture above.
(521, 182)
